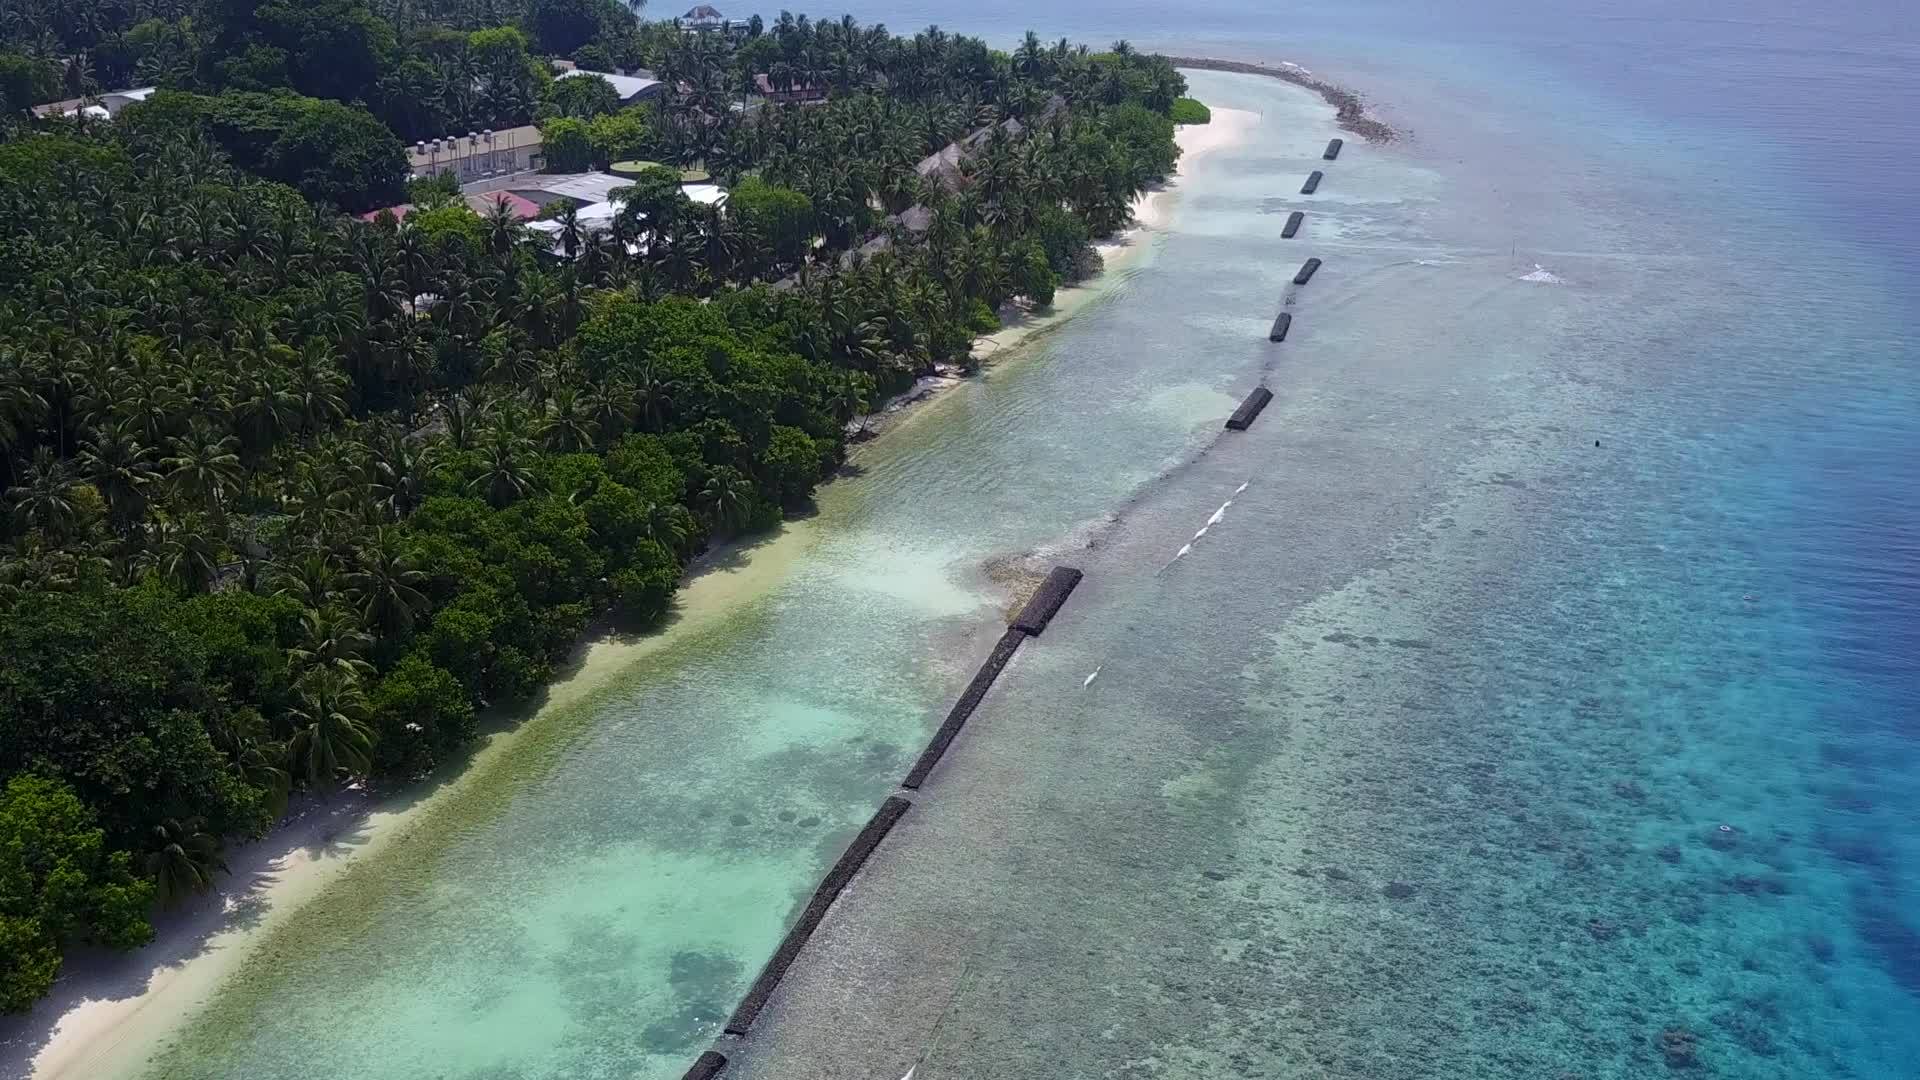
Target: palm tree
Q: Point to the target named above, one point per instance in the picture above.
(119, 468)
(330, 733)
(182, 860)
(651, 395)
(188, 555)
(397, 473)
(264, 409)
(21, 403)
(666, 525)
(204, 466)
(330, 639)
(569, 426)
(727, 497)
(308, 577)
(318, 388)
(44, 498)
(503, 226)
(572, 234)
(387, 580)
(504, 475)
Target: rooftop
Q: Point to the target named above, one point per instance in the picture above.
(100, 105)
(627, 86)
(453, 147)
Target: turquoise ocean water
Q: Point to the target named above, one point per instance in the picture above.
(1459, 746)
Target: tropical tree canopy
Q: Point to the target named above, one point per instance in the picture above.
(290, 496)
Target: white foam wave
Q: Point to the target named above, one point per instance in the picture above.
(1543, 276)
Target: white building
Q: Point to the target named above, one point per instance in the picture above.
(592, 193)
(100, 106)
(477, 154)
(631, 89)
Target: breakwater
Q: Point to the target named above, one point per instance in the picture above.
(1046, 601)
(1244, 416)
(1031, 621)
(1281, 324)
(829, 890)
(1350, 110)
(1293, 224)
(970, 699)
(1313, 182)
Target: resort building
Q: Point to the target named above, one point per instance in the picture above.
(591, 194)
(477, 154)
(802, 93)
(632, 89)
(704, 17)
(98, 106)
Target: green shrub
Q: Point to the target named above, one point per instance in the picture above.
(1188, 111)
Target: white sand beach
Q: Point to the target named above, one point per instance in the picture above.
(1151, 211)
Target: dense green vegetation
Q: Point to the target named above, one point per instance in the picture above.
(291, 496)
(1188, 111)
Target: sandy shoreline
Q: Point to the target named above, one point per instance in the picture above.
(108, 1012)
(1350, 109)
(1022, 323)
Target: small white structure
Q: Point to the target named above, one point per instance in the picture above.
(630, 88)
(100, 106)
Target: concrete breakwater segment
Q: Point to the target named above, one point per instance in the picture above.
(1030, 622)
(1306, 271)
(1333, 149)
(851, 860)
(1046, 602)
(1313, 182)
(970, 700)
(1293, 225)
(1243, 417)
(1280, 327)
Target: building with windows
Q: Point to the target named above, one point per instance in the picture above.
(478, 155)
